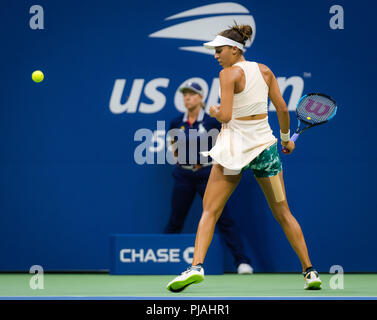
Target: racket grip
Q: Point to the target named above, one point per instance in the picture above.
(293, 138)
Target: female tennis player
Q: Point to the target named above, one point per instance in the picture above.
(245, 141)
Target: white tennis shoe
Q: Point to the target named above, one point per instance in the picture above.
(312, 280)
(193, 274)
(245, 268)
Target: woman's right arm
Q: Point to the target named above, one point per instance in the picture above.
(228, 78)
(279, 103)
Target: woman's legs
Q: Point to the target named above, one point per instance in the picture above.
(274, 191)
(218, 190)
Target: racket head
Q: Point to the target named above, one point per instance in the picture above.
(315, 108)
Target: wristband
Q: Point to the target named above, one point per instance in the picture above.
(285, 136)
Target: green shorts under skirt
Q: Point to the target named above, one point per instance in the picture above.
(267, 164)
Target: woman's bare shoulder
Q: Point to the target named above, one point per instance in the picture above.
(232, 72)
(266, 73)
(264, 69)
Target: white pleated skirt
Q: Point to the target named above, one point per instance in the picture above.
(240, 142)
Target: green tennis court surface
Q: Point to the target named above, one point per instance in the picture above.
(228, 285)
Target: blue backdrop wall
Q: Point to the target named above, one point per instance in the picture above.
(68, 174)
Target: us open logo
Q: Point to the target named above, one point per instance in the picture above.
(196, 26)
(222, 15)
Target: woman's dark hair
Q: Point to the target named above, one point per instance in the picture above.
(239, 33)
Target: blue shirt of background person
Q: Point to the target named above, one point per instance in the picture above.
(198, 140)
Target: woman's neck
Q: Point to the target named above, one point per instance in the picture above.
(240, 59)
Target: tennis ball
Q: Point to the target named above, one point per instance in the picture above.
(308, 118)
(37, 76)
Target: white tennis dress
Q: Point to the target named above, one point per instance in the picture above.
(241, 141)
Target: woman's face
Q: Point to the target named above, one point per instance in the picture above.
(226, 55)
(191, 99)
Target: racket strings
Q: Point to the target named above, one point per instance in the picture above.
(315, 109)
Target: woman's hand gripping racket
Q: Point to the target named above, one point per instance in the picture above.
(312, 110)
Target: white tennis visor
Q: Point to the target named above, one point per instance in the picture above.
(220, 41)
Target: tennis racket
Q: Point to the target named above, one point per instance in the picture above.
(312, 110)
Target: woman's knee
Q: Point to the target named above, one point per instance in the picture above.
(282, 214)
(211, 214)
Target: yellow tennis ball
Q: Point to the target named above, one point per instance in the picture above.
(308, 118)
(37, 76)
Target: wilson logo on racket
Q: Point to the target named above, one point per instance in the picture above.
(319, 109)
(204, 29)
(312, 110)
